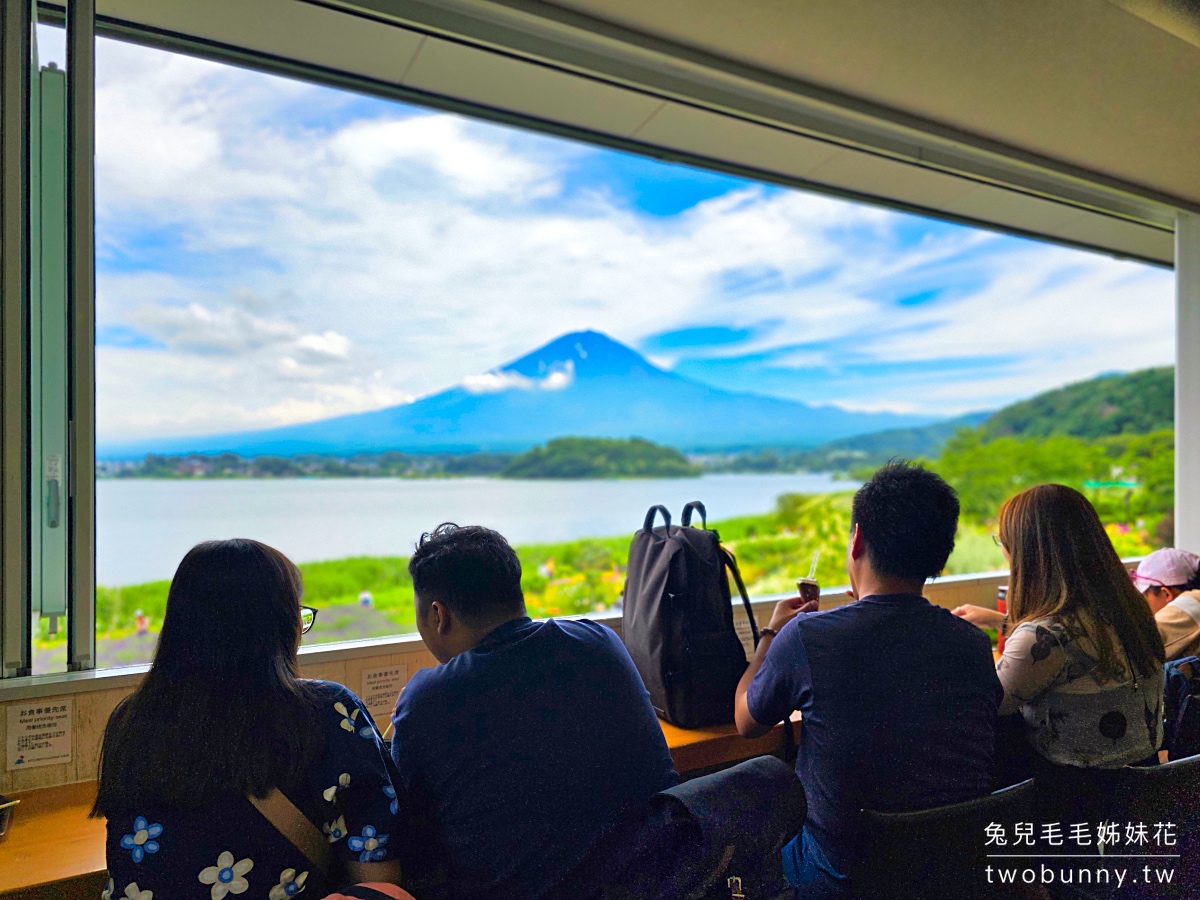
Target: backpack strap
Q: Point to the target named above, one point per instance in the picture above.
(295, 826)
(789, 734)
(731, 561)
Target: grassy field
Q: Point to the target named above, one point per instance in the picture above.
(568, 578)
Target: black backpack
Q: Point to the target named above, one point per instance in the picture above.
(1181, 708)
(677, 619)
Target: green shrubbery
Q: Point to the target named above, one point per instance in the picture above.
(1129, 478)
(575, 457)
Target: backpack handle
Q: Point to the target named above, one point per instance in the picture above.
(648, 525)
(686, 519)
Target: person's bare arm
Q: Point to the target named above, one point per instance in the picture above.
(386, 872)
(980, 616)
(785, 611)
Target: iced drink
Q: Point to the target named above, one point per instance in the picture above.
(809, 589)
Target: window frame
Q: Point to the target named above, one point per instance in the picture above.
(83, 26)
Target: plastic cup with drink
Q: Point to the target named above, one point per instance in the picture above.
(809, 588)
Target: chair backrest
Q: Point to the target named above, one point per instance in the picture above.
(696, 836)
(1160, 792)
(938, 852)
(1168, 794)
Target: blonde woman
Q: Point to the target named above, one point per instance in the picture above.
(1083, 659)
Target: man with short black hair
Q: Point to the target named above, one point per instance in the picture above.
(899, 700)
(531, 739)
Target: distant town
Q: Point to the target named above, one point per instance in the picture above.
(565, 458)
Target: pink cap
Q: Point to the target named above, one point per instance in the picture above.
(1166, 568)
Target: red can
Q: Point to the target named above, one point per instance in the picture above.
(1001, 606)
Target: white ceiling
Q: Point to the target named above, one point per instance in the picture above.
(1085, 83)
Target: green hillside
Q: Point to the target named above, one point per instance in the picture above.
(1111, 437)
(1134, 403)
(576, 457)
(874, 449)
(1137, 403)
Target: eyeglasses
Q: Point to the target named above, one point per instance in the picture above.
(996, 540)
(308, 616)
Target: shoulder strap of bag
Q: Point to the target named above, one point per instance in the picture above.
(789, 736)
(731, 561)
(295, 826)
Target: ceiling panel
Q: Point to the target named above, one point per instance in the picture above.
(315, 34)
(1123, 238)
(457, 70)
(881, 177)
(720, 137)
(1082, 82)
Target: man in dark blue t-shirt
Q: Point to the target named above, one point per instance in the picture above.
(899, 700)
(531, 739)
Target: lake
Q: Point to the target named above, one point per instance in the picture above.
(144, 526)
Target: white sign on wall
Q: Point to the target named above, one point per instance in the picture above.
(39, 732)
(380, 688)
(741, 624)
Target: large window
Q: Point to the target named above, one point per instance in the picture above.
(331, 322)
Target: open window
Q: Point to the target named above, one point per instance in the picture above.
(331, 320)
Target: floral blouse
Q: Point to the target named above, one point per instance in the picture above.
(229, 849)
(1078, 717)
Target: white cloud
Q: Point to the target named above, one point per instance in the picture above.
(323, 347)
(441, 143)
(496, 382)
(882, 406)
(558, 378)
(199, 329)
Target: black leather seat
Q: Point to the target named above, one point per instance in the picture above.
(1167, 794)
(938, 853)
(697, 837)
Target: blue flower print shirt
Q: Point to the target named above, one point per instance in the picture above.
(229, 850)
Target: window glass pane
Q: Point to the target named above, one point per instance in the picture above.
(331, 322)
(48, 354)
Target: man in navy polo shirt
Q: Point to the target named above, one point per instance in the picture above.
(899, 700)
(531, 739)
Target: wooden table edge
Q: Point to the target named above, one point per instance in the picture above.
(60, 812)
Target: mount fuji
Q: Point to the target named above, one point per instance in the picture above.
(583, 384)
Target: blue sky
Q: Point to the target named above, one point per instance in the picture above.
(272, 252)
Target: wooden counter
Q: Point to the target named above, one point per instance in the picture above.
(703, 748)
(52, 842)
(53, 849)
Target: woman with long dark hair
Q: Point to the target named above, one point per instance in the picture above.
(1083, 660)
(223, 750)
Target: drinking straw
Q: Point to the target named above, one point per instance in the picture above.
(812, 570)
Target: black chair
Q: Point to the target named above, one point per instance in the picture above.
(1169, 793)
(710, 837)
(938, 853)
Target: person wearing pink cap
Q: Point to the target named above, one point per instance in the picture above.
(1170, 581)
